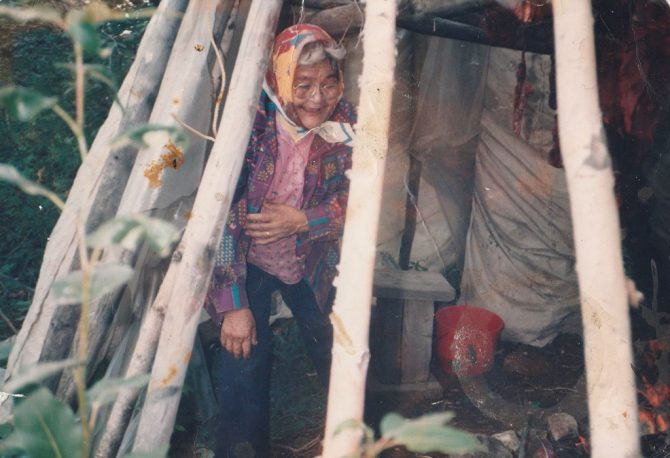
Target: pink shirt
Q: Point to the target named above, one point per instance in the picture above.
(279, 258)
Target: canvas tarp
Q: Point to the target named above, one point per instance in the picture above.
(519, 253)
(480, 179)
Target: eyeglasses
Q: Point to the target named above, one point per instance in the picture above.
(308, 90)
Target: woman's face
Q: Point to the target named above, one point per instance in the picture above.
(316, 91)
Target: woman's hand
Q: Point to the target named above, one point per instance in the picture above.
(238, 332)
(275, 222)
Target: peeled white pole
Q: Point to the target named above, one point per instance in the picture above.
(613, 414)
(193, 260)
(351, 311)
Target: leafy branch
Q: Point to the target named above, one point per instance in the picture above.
(428, 433)
(79, 24)
(11, 175)
(44, 425)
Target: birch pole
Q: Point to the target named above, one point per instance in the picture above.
(351, 312)
(193, 259)
(611, 390)
(145, 347)
(183, 95)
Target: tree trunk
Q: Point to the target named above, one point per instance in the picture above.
(194, 258)
(351, 312)
(611, 391)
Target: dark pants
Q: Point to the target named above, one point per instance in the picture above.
(243, 385)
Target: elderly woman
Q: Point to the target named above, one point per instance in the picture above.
(283, 230)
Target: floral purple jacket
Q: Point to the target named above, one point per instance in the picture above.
(325, 196)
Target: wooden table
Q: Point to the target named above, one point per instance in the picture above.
(402, 328)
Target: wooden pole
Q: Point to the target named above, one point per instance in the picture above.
(613, 415)
(339, 20)
(351, 312)
(140, 363)
(187, 95)
(97, 188)
(145, 348)
(194, 258)
(407, 238)
(435, 26)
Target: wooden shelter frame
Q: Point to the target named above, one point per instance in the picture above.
(165, 339)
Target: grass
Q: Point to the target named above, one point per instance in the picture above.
(298, 400)
(45, 150)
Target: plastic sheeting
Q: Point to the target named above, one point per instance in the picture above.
(519, 256)
(444, 137)
(392, 217)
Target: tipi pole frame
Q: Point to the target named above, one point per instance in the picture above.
(612, 402)
(194, 258)
(351, 311)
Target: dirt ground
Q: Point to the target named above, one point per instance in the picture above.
(524, 385)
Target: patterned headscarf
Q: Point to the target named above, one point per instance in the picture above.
(278, 84)
(287, 48)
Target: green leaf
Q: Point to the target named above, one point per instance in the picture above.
(349, 424)
(429, 434)
(44, 427)
(6, 348)
(85, 34)
(369, 434)
(103, 74)
(390, 423)
(95, 72)
(434, 418)
(160, 452)
(5, 430)
(39, 14)
(106, 390)
(35, 373)
(444, 439)
(24, 104)
(99, 73)
(135, 136)
(105, 278)
(130, 231)
(95, 12)
(11, 175)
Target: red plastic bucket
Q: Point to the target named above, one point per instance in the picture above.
(467, 337)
